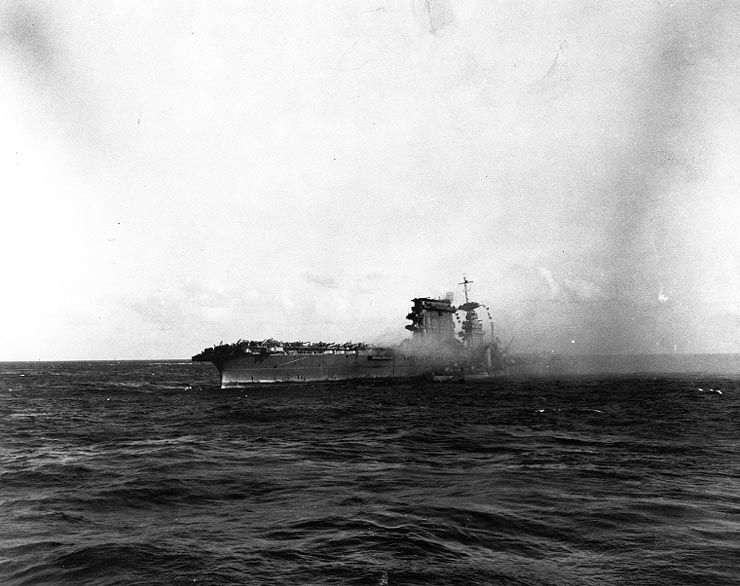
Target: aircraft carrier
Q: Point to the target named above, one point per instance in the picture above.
(447, 343)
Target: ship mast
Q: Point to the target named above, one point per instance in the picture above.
(472, 328)
(465, 284)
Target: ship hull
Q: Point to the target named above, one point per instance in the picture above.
(286, 368)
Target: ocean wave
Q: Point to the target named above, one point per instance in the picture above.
(114, 474)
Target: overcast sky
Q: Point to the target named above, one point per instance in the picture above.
(175, 174)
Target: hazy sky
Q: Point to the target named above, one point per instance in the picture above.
(179, 173)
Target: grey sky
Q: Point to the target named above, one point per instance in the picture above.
(180, 173)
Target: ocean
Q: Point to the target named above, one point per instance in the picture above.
(116, 473)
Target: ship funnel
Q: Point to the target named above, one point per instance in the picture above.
(431, 319)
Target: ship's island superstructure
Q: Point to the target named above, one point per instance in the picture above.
(436, 349)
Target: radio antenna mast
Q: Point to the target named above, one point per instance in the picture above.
(465, 284)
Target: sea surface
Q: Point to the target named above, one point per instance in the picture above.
(117, 473)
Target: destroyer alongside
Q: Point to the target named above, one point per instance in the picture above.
(435, 349)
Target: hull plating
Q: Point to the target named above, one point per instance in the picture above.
(246, 370)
